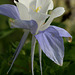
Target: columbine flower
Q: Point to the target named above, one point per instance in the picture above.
(31, 15)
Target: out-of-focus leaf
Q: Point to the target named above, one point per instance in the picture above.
(5, 33)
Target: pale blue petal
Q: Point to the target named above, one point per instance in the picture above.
(63, 33)
(32, 52)
(29, 25)
(19, 48)
(10, 11)
(52, 44)
(40, 54)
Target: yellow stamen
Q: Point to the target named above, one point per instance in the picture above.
(38, 9)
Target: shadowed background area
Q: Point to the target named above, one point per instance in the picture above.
(10, 38)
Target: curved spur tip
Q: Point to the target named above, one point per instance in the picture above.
(70, 40)
(11, 20)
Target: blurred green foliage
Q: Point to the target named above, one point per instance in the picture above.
(9, 40)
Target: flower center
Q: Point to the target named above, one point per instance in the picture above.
(38, 9)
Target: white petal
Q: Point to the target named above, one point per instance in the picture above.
(32, 52)
(26, 2)
(38, 17)
(51, 5)
(23, 11)
(40, 54)
(46, 25)
(41, 3)
(32, 6)
(57, 12)
(44, 4)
